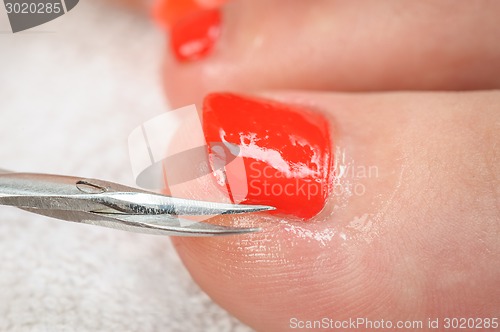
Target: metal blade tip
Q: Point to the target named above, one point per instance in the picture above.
(243, 208)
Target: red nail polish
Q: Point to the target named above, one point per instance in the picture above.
(168, 12)
(285, 150)
(194, 36)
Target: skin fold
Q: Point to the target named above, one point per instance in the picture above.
(420, 239)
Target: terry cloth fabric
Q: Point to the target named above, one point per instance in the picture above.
(71, 91)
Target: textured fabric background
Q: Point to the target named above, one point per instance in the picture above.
(70, 93)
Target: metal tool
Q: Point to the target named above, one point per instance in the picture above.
(109, 204)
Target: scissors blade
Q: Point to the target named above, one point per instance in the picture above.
(148, 224)
(113, 205)
(41, 191)
(153, 204)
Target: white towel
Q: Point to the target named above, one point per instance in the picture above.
(71, 91)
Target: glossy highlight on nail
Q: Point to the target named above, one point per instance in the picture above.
(284, 152)
(194, 36)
